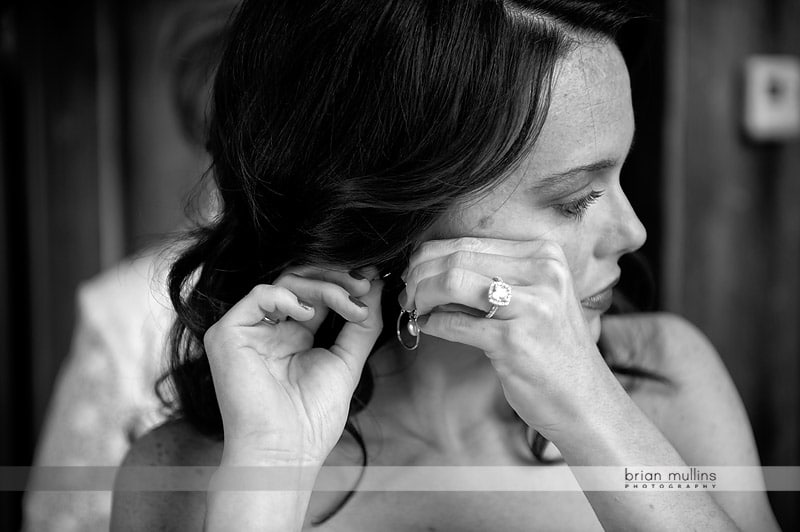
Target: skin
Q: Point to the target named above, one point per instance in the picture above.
(584, 127)
(590, 121)
(450, 402)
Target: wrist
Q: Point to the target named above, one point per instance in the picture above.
(594, 424)
(259, 451)
(236, 454)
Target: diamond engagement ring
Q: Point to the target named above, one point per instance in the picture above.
(499, 295)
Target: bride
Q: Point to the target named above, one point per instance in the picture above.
(418, 241)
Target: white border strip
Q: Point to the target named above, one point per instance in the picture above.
(398, 479)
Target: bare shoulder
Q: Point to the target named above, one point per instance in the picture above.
(697, 407)
(669, 346)
(172, 444)
(665, 343)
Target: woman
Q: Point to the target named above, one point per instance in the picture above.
(451, 167)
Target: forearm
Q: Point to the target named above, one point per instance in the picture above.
(621, 435)
(234, 502)
(265, 511)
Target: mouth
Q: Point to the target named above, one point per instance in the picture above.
(601, 301)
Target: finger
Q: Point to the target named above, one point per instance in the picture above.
(457, 286)
(356, 281)
(323, 295)
(461, 328)
(454, 307)
(512, 270)
(357, 339)
(433, 249)
(276, 302)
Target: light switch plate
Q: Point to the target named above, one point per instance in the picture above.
(772, 97)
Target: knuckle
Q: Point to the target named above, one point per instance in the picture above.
(261, 291)
(551, 250)
(547, 267)
(517, 336)
(335, 295)
(413, 298)
(458, 322)
(416, 274)
(426, 248)
(509, 334)
(555, 272)
(541, 307)
(453, 280)
(211, 338)
(468, 243)
(296, 270)
(530, 271)
(459, 259)
(285, 277)
(340, 291)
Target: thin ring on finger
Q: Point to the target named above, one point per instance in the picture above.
(460, 287)
(270, 321)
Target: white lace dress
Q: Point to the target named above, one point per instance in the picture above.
(104, 397)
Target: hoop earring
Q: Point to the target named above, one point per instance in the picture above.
(411, 327)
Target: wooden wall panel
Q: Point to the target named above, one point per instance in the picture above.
(162, 164)
(62, 187)
(732, 246)
(50, 205)
(725, 268)
(782, 332)
(8, 509)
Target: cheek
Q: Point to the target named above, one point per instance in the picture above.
(578, 253)
(515, 221)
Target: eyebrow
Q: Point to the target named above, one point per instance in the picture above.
(563, 181)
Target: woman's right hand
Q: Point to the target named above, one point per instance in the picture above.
(281, 400)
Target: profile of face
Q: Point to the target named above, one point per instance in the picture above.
(568, 189)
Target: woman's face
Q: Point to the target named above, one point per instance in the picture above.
(568, 189)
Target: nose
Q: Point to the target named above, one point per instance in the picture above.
(625, 232)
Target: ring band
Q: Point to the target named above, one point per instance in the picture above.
(499, 296)
(270, 321)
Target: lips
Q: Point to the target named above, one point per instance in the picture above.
(601, 300)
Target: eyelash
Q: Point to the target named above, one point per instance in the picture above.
(577, 208)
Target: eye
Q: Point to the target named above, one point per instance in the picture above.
(576, 208)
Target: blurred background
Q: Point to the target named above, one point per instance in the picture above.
(101, 107)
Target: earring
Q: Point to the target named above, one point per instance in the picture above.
(411, 327)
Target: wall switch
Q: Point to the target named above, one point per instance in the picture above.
(772, 97)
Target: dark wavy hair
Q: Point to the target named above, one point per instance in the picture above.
(342, 129)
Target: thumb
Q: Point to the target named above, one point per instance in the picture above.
(357, 339)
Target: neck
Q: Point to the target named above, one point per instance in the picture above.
(440, 393)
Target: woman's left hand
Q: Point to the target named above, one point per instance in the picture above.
(550, 369)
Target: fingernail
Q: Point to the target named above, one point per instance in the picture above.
(404, 274)
(358, 302)
(422, 320)
(305, 305)
(357, 276)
